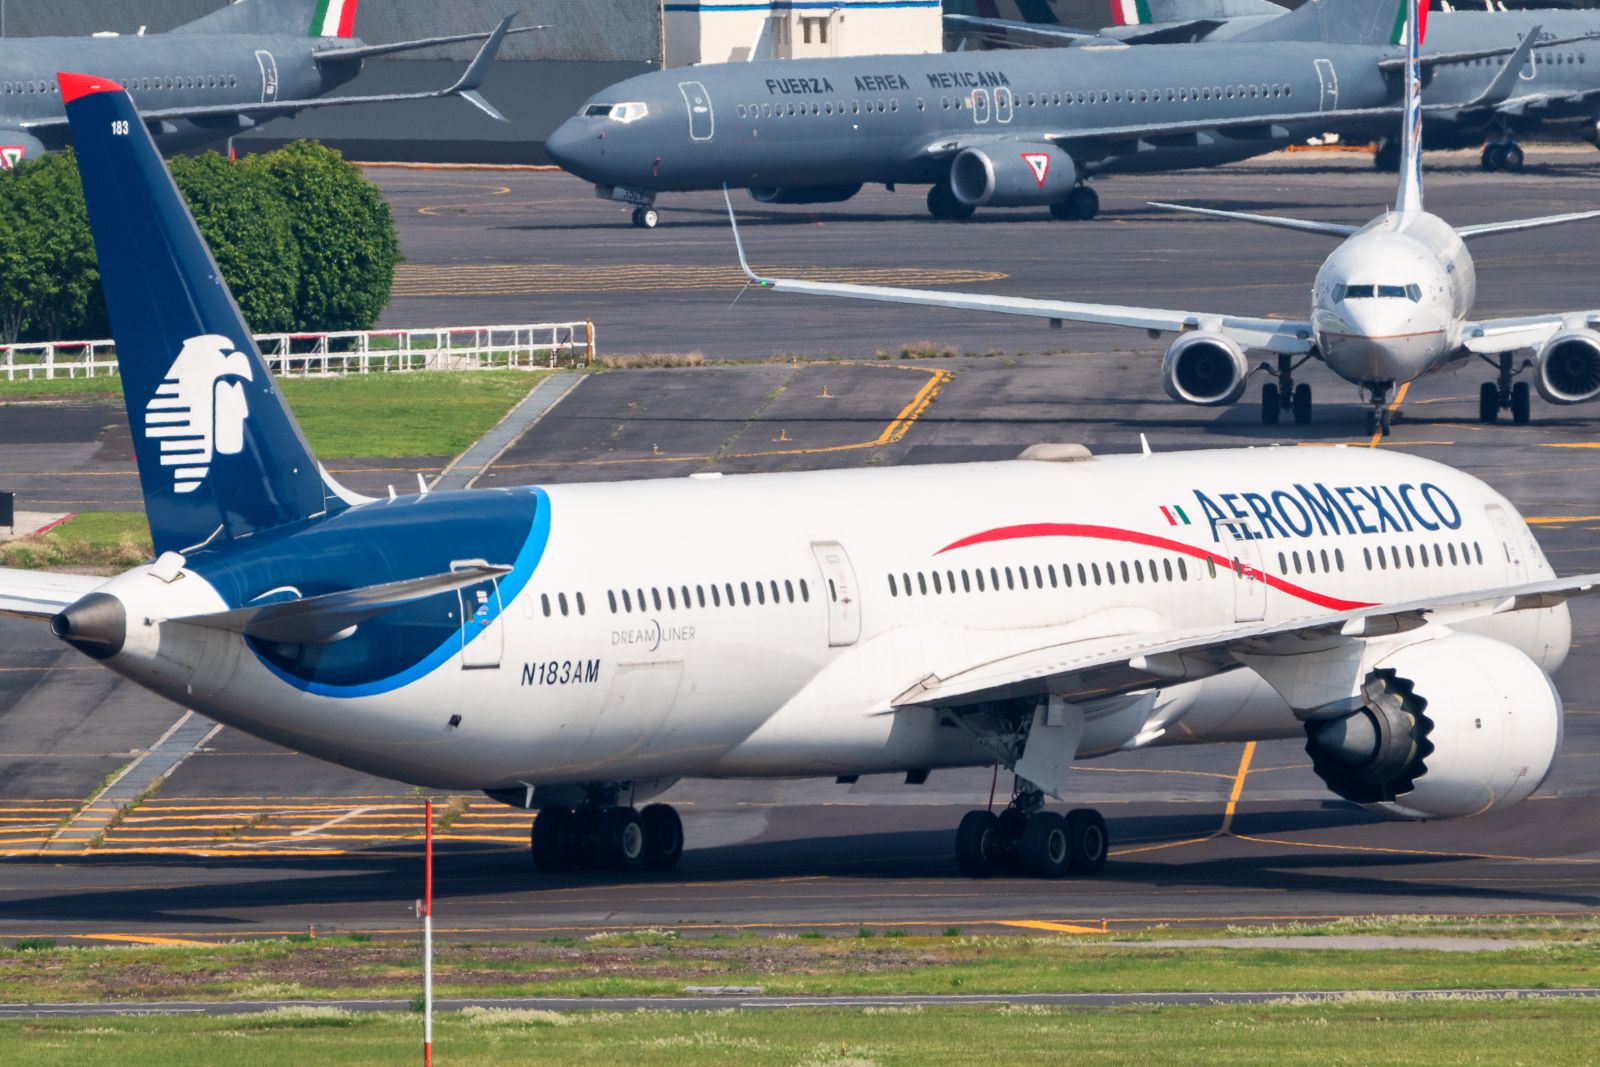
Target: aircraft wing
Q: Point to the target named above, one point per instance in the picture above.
(1490, 337)
(1274, 335)
(40, 594)
(1109, 666)
(466, 86)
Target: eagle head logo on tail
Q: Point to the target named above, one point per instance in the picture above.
(199, 409)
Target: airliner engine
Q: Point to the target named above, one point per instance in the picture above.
(1567, 368)
(1012, 175)
(1455, 726)
(1204, 368)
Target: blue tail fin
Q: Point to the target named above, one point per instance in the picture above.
(220, 456)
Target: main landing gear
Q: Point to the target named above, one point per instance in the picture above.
(607, 838)
(1505, 395)
(1502, 155)
(1024, 838)
(1284, 395)
(1379, 413)
(942, 204)
(1081, 205)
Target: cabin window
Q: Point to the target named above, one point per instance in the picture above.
(966, 582)
(1138, 571)
(894, 590)
(611, 598)
(1183, 569)
(920, 105)
(1022, 576)
(761, 594)
(805, 591)
(1125, 572)
(544, 602)
(561, 600)
(978, 574)
(744, 588)
(1394, 552)
(1094, 568)
(1452, 554)
(1295, 556)
(1283, 563)
(788, 590)
(627, 602)
(906, 581)
(922, 583)
(1211, 567)
(1051, 568)
(1477, 550)
(716, 596)
(1166, 565)
(936, 587)
(700, 594)
(672, 601)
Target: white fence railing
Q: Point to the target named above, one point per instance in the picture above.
(545, 344)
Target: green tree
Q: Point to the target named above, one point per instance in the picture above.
(348, 245)
(246, 222)
(55, 285)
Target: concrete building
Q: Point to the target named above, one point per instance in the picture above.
(726, 31)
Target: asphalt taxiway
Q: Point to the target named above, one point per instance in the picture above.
(246, 839)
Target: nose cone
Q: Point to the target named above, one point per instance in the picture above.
(574, 146)
(1381, 340)
(96, 625)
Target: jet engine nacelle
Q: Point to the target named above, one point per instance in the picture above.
(1012, 175)
(1567, 368)
(803, 194)
(1204, 368)
(1454, 726)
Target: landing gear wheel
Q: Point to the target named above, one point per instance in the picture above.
(977, 841)
(1511, 157)
(942, 204)
(619, 840)
(1084, 203)
(1493, 158)
(663, 837)
(1387, 157)
(1372, 421)
(1521, 408)
(1271, 406)
(1302, 404)
(1046, 847)
(1384, 418)
(1008, 841)
(646, 218)
(1488, 402)
(550, 853)
(1089, 841)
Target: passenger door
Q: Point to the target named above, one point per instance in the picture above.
(1511, 551)
(482, 643)
(269, 75)
(838, 592)
(702, 124)
(1249, 583)
(1328, 80)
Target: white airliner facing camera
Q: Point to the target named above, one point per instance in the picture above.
(1389, 305)
(1394, 614)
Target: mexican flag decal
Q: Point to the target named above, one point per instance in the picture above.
(1175, 515)
(1039, 163)
(334, 18)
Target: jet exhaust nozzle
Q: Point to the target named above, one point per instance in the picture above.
(96, 625)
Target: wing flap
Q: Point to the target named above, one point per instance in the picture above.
(40, 594)
(1104, 667)
(321, 619)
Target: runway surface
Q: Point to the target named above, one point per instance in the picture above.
(245, 839)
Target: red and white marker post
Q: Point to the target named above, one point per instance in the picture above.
(427, 935)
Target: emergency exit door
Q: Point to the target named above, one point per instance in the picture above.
(702, 124)
(838, 592)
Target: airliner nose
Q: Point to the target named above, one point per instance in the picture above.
(569, 145)
(96, 625)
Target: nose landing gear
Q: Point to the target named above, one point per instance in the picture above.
(1379, 414)
(607, 838)
(646, 217)
(1025, 839)
(1284, 395)
(1503, 394)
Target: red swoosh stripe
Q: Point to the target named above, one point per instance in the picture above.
(1134, 537)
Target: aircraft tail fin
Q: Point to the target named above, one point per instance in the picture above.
(1408, 201)
(1374, 22)
(219, 454)
(313, 18)
(1155, 12)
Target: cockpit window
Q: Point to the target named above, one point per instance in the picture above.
(1411, 292)
(629, 112)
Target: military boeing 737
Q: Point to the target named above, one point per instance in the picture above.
(1389, 305)
(990, 129)
(214, 77)
(526, 642)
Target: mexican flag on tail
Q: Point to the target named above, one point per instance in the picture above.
(334, 18)
(1398, 37)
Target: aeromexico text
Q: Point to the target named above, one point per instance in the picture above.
(880, 83)
(1320, 510)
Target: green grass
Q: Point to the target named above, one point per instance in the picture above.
(103, 540)
(360, 415)
(1364, 1032)
(661, 963)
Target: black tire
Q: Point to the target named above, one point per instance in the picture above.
(1063, 211)
(1302, 404)
(1046, 845)
(550, 853)
(1372, 421)
(1492, 156)
(1521, 403)
(1008, 840)
(619, 840)
(942, 204)
(1511, 158)
(663, 837)
(1488, 402)
(1385, 417)
(1084, 202)
(1090, 841)
(1271, 404)
(976, 839)
(1387, 157)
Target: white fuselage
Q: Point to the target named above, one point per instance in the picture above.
(763, 625)
(1389, 303)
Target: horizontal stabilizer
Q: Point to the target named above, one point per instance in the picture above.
(1333, 229)
(320, 619)
(41, 594)
(1513, 225)
(367, 51)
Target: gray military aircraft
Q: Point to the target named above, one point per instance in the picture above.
(212, 78)
(992, 129)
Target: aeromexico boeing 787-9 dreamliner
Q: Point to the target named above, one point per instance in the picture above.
(530, 642)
